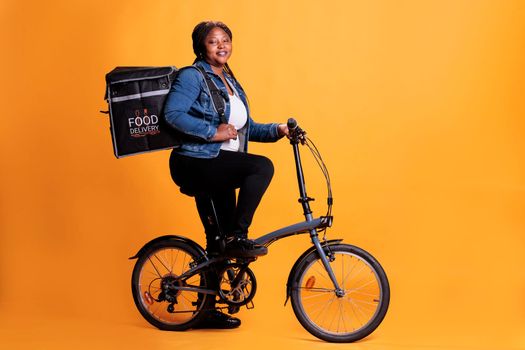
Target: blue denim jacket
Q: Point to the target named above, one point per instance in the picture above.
(189, 108)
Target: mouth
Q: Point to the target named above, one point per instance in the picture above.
(222, 53)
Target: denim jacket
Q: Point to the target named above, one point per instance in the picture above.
(189, 108)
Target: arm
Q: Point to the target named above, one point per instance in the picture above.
(267, 132)
(184, 92)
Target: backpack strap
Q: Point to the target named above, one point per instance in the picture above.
(217, 95)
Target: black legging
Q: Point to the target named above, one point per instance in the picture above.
(218, 178)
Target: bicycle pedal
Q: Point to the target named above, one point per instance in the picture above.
(233, 309)
(250, 305)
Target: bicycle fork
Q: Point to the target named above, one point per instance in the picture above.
(326, 263)
(305, 202)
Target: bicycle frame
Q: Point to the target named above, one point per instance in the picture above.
(310, 225)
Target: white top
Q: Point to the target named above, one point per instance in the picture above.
(238, 118)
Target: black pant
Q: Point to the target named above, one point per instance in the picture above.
(218, 178)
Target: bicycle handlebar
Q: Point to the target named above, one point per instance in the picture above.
(296, 133)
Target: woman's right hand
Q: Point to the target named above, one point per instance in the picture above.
(225, 132)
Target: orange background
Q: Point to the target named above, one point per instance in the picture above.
(416, 106)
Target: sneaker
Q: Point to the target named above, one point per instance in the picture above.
(241, 247)
(217, 320)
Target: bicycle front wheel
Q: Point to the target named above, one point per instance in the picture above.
(351, 315)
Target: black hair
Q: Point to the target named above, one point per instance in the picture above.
(199, 34)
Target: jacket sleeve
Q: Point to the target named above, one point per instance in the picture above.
(263, 132)
(184, 92)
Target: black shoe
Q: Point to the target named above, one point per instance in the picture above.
(217, 320)
(240, 247)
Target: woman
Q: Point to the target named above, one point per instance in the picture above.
(213, 162)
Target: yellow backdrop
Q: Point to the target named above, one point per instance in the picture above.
(416, 106)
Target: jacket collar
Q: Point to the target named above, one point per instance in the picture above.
(205, 65)
(207, 69)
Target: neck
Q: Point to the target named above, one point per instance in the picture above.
(216, 69)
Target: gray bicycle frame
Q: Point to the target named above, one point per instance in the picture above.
(310, 225)
(295, 229)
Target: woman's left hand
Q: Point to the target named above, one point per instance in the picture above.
(283, 130)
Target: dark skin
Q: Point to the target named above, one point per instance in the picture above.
(218, 50)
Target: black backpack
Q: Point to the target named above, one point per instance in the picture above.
(136, 98)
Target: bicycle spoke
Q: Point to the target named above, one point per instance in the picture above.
(369, 308)
(343, 314)
(183, 265)
(326, 306)
(322, 274)
(361, 287)
(162, 263)
(313, 303)
(157, 307)
(348, 291)
(342, 270)
(158, 273)
(312, 306)
(191, 279)
(338, 319)
(154, 273)
(374, 304)
(363, 277)
(314, 296)
(349, 272)
(358, 308)
(314, 289)
(364, 266)
(175, 259)
(169, 264)
(332, 321)
(170, 261)
(184, 300)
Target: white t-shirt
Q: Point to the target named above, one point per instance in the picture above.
(238, 118)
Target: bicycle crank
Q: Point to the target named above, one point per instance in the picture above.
(237, 284)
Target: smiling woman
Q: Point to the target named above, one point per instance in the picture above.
(215, 161)
(218, 50)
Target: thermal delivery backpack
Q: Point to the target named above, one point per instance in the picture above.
(136, 97)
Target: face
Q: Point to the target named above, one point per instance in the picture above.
(218, 47)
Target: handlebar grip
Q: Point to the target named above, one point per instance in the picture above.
(292, 123)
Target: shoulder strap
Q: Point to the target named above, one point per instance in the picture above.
(216, 94)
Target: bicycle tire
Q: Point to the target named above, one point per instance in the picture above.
(162, 261)
(359, 312)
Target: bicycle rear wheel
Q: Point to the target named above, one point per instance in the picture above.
(345, 318)
(163, 298)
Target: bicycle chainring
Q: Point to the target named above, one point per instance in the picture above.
(237, 284)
